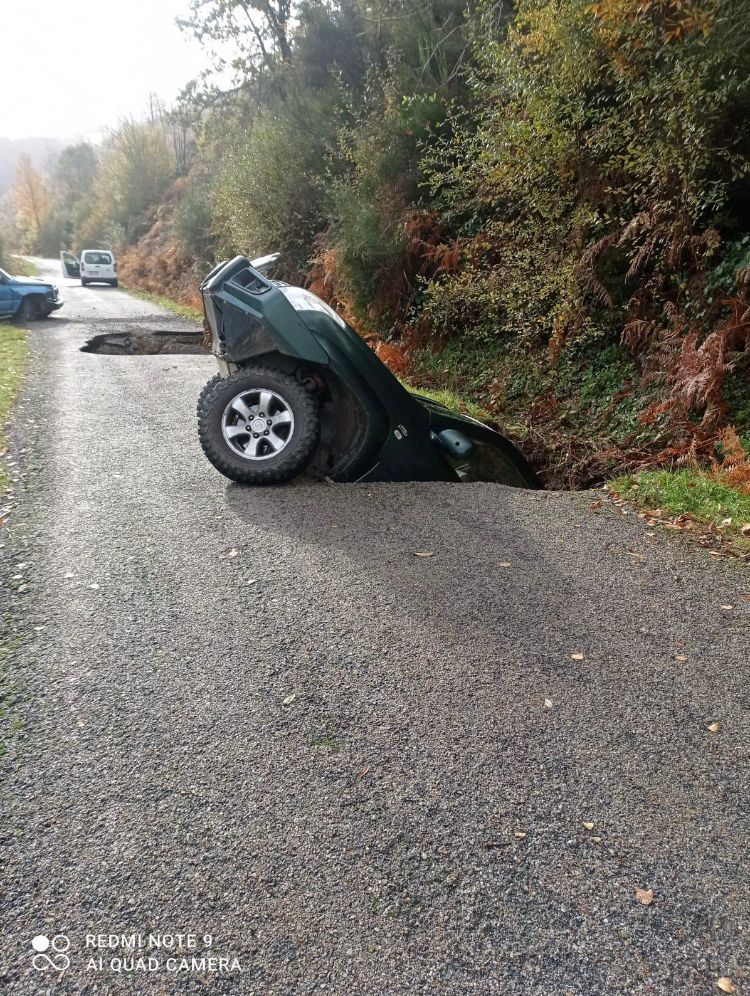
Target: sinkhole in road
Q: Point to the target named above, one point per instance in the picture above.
(145, 343)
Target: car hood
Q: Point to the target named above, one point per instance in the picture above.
(33, 281)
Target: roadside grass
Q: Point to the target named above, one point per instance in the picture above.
(13, 349)
(455, 402)
(590, 392)
(21, 267)
(183, 310)
(674, 493)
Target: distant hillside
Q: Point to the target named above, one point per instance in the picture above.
(40, 150)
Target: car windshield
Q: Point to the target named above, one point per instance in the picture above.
(97, 257)
(303, 300)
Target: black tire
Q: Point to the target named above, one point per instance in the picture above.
(84, 282)
(275, 468)
(208, 388)
(113, 283)
(28, 310)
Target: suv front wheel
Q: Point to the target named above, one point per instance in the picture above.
(28, 310)
(258, 426)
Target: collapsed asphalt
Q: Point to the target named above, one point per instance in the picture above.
(257, 715)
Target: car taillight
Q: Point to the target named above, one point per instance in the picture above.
(114, 267)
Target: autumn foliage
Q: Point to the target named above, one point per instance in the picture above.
(31, 202)
(543, 206)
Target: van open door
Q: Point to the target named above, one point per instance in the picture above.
(71, 266)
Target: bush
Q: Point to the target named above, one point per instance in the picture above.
(607, 142)
(270, 192)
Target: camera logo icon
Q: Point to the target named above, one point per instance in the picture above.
(50, 952)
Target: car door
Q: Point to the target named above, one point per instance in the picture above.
(105, 269)
(92, 265)
(71, 266)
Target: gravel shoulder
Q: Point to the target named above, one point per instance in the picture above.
(255, 714)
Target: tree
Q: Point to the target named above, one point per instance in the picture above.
(137, 172)
(257, 31)
(75, 173)
(31, 201)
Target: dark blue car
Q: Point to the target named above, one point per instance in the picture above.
(27, 298)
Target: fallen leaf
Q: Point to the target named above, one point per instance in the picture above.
(233, 553)
(726, 985)
(597, 840)
(363, 772)
(644, 896)
(289, 699)
(548, 703)
(520, 834)
(727, 606)
(589, 825)
(504, 563)
(423, 553)
(680, 657)
(576, 657)
(746, 528)
(595, 506)
(93, 586)
(22, 587)
(714, 727)
(251, 581)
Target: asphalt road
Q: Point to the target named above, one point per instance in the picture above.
(256, 715)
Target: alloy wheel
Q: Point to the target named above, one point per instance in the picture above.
(257, 424)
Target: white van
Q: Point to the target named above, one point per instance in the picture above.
(94, 266)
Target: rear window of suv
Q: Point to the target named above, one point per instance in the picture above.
(102, 258)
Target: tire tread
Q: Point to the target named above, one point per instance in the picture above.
(279, 474)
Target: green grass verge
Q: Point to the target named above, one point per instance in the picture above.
(13, 348)
(689, 492)
(183, 310)
(592, 393)
(455, 402)
(21, 267)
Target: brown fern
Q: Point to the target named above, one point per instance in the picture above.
(586, 273)
(734, 468)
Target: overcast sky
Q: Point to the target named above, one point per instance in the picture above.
(71, 68)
